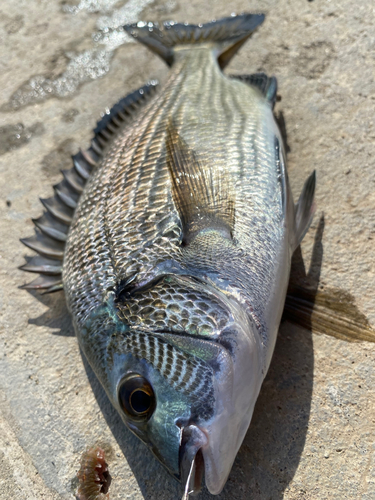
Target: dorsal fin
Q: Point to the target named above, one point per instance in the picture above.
(122, 113)
(225, 36)
(200, 193)
(53, 226)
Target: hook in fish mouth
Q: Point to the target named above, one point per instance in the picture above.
(191, 459)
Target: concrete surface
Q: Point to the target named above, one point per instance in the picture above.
(62, 64)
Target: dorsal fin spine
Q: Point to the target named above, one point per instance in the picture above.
(52, 227)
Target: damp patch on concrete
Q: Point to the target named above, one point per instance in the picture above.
(314, 59)
(82, 66)
(14, 24)
(70, 115)
(16, 135)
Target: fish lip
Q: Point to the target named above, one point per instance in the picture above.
(192, 440)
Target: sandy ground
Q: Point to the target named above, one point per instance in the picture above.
(62, 64)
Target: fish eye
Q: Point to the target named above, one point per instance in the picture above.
(136, 397)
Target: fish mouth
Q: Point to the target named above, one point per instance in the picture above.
(191, 459)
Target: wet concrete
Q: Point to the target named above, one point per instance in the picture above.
(62, 65)
(78, 66)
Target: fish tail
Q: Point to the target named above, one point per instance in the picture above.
(226, 35)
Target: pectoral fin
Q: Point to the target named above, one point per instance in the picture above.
(202, 193)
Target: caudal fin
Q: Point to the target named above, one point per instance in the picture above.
(226, 35)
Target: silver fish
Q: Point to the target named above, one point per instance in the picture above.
(172, 238)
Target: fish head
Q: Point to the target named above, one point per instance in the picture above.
(151, 407)
(188, 397)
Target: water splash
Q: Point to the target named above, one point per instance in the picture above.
(90, 6)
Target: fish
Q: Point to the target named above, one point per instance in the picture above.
(172, 238)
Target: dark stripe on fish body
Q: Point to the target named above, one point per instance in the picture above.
(169, 361)
(174, 376)
(183, 373)
(147, 127)
(200, 383)
(160, 357)
(189, 380)
(281, 175)
(185, 378)
(142, 345)
(151, 343)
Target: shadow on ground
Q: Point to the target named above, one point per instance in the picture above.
(56, 316)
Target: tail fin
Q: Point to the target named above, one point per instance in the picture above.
(226, 35)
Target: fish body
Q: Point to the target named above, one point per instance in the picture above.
(177, 258)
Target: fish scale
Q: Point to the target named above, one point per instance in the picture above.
(172, 306)
(176, 260)
(135, 176)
